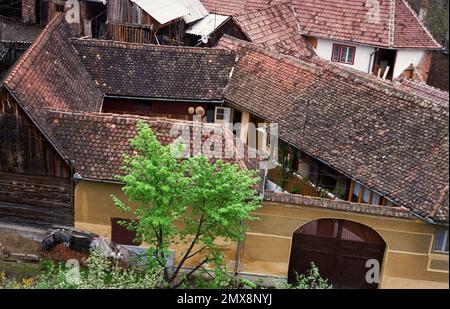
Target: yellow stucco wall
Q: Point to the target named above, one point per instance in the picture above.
(408, 262)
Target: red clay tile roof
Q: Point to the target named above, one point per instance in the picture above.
(232, 7)
(383, 23)
(276, 28)
(151, 71)
(394, 25)
(426, 91)
(396, 212)
(389, 140)
(50, 75)
(96, 142)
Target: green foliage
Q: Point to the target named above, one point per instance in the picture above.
(100, 273)
(436, 19)
(312, 280)
(210, 200)
(295, 190)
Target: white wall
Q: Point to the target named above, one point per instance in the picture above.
(405, 58)
(363, 59)
(362, 55)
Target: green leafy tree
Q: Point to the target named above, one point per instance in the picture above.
(191, 203)
(436, 19)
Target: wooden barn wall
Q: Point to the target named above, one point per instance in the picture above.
(172, 110)
(125, 11)
(229, 28)
(35, 183)
(13, 51)
(24, 150)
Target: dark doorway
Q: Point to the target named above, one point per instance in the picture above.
(384, 59)
(339, 248)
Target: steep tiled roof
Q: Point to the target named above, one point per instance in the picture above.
(388, 140)
(50, 75)
(232, 7)
(385, 23)
(426, 91)
(168, 72)
(96, 142)
(276, 28)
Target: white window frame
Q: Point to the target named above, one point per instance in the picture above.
(442, 248)
(226, 114)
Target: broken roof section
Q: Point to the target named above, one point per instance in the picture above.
(165, 11)
(208, 25)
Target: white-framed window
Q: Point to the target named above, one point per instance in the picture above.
(222, 115)
(441, 241)
(343, 54)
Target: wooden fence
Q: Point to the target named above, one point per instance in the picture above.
(293, 183)
(125, 32)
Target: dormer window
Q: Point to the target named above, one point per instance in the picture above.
(343, 54)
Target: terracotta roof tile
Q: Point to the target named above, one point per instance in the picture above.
(391, 141)
(423, 90)
(97, 142)
(307, 201)
(169, 72)
(384, 23)
(50, 74)
(232, 7)
(276, 28)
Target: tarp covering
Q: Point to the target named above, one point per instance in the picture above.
(207, 25)
(165, 11)
(196, 10)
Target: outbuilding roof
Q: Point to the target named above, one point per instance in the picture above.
(152, 71)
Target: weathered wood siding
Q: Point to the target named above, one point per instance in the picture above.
(125, 11)
(35, 184)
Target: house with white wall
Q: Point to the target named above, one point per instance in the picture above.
(380, 37)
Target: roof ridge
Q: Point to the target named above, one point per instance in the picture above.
(368, 81)
(127, 117)
(420, 84)
(274, 54)
(391, 23)
(421, 23)
(142, 46)
(278, 3)
(30, 52)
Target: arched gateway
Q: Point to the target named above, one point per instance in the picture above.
(340, 249)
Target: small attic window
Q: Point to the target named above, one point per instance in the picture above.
(343, 54)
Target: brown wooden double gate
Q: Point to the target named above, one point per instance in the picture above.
(339, 248)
